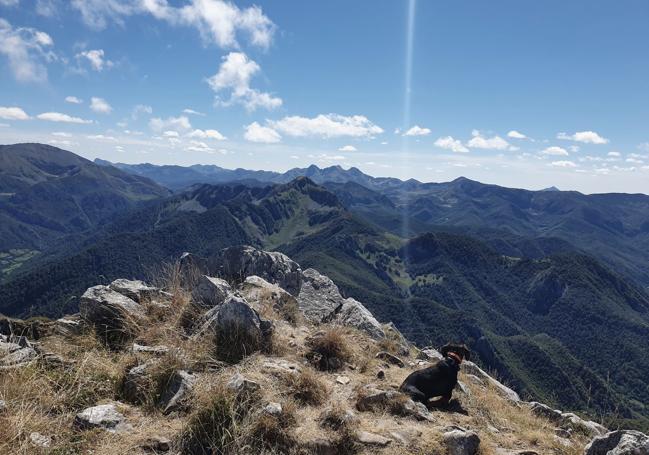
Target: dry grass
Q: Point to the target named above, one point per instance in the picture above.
(307, 387)
(329, 349)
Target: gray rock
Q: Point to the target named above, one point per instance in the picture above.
(176, 395)
(354, 314)
(621, 442)
(319, 298)
(281, 366)
(390, 358)
(471, 368)
(114, 317)
(3, 406)
(40, 440)
(156, 444)
(343, 380)
(209, 292)
(273, 409)
(391, 331)
(191, 267)
(237, 328)
(461, 442)
(138, 384)
(239, 262)
(256, 290)
(13, 355)
(405, 436)
(103, 416)
(155, 350)
(241, 386)
(430, 354)
(567, 420)
(135, 290)
(372, 439)
(68, 326)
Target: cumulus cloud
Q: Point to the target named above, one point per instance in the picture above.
(100, 105)
(556, 151)
(207, 134)
(171, 123)
(516, 135)
(262, 134)
(59, 117)
(348, 148)
(587, 137)
(234, 76)
(417, 131)
(192, 112)
(101, 137)
(218, 21)
(73, 100)
(141, 109)
(26, 50)
(449, 143)
(13, 113)
(327, 126)
(96, 59)
(479, 141)
(567, 164)
(614, 154)
(61, 134)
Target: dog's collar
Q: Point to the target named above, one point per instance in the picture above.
(455, 357)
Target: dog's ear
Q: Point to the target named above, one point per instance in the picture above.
(445, 349)
(467, 352)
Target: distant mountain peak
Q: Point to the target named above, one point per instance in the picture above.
(552, 188)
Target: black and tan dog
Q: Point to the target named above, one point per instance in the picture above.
(438, 380)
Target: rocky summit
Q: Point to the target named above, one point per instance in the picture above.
(248, 353)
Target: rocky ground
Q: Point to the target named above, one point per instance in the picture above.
(246, 353)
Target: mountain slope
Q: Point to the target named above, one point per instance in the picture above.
(48, 193)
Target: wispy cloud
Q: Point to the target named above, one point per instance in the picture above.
(27, 50)
(63, 118)
(327, 126)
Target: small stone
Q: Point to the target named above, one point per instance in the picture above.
(103, 416)
(461, 442)
(274, 409)
(175, 397)
(3, 406)
(372, 439)
(155, 350)
(156, 444)
(242, 386)
(280, 366)
(344, 380)
(391, 359)
(405, 437)
(380, 374)
(40, 440)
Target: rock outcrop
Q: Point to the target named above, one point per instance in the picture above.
(114, 317)
(622, 442)
(568, 420)
(104, 416)
(209, 292)
(240, 262)
(319, 297)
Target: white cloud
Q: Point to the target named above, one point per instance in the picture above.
(327, 126)
(96, 59)
(644, 146)
(217, 21)
(9, 2)
(348, 148)
(207, 134)
(13, 113)
(262, 134)
(170, 134)
(101, 137)
(516, 135)
(587, 137)
(490, 143)
(171, 123)
(449, 143)
(614, 154)
(417, 131)
(192, 112)
(73, 100)
(61, 134)
(59, 117)
(26, 49)
(141, 109)
(556, 151)
(59, 142)
(234, 76)
(634, 160)
(564, 164)
(100, 105)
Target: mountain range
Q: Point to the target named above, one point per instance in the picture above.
(548, 287)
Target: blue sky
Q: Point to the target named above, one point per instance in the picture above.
(525, 94)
